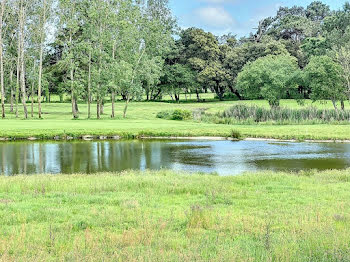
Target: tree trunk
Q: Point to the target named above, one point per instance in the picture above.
(113, 104)
(12, 93)
(18, 76)
(335, 105)
(41, 57)
(32, 92)
(342, 105)
(177, 97)
(89, 86)
(126, 105)
(32, 101)
(74, 111)
(2, 61)
(102, 107)
(132, 82)
(23, 81)
(198, 98)
(154, 97)
(234, 91)
(98, 113)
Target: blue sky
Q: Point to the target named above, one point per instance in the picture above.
(236, 16)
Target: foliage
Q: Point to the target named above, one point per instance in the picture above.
(255, 114)
(177, 114)
(268, 77)
(104, 49)
(325, 78)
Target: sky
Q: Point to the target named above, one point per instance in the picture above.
(238, 17)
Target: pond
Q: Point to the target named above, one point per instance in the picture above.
(221, 157)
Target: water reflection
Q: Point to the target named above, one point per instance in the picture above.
(222, 157)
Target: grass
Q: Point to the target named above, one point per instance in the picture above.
(167, 216)
(142, 120)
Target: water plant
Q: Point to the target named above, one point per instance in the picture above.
(256, 114)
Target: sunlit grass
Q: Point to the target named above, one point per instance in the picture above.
(167, 216)
(141, 120)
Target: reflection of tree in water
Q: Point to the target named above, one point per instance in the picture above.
(305, 157)
(92, 157)
(111, 156)
(302, 164)
(191, 154)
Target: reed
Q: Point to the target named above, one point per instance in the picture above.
(255, 114)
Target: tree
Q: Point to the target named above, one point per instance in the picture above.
(317, 11)
(2, 12)
(325, 79)
(178, 77)
(268, 77)
(201, 51)
(315, 46)
(45, 5)
(343, 58)
(69, 18)
(336, 28)
(21, 51)
(236, 58)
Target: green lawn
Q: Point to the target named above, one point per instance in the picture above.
(164, 216)
(141, 120)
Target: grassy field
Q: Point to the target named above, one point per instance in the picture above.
(164, 216)
(141, 120)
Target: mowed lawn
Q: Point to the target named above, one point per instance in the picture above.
(141, 120)
(167, 216)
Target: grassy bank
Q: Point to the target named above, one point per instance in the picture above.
(163, 216)
(142, 120)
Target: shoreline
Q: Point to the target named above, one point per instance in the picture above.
(189, 138)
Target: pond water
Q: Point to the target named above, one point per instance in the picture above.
(221, 157)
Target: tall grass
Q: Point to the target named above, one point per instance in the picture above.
(255, 114)
(171, 216)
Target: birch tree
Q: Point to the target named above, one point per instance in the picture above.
(45, 6)
(2, 12)
(21, 53)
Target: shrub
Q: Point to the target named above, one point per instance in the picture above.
(164, 114)
(180, 114)
(177, 114)
(235, 134)
(255, 114)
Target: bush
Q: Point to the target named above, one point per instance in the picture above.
(255, 114)
(177, 114)
(180, 114)
(164, 114)
(235, 134)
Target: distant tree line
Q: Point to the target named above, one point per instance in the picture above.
(94, 50)
(299, 53)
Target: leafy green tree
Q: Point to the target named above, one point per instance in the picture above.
(315, 46)
(3, 6)
(179, 77)
(268, 77)
(336, 28)
(69, 21)
(325, 79)
(201, 51)
(317, 11)
(236, 58)
(343, 58)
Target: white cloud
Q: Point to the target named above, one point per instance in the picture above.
(216, 17)
(219, 1)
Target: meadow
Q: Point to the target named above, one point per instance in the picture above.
(142, 121)
(168, 216)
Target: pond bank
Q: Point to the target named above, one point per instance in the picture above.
(142, 137)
